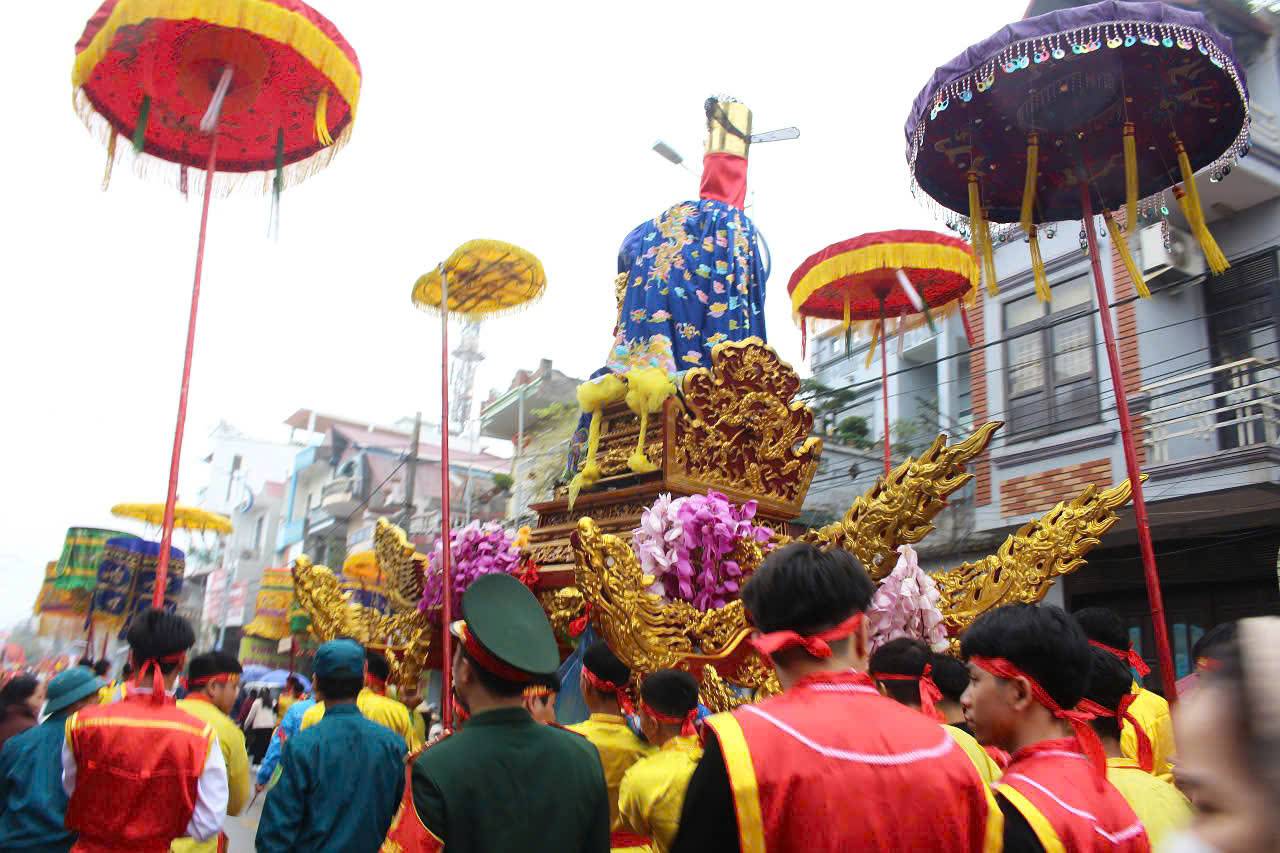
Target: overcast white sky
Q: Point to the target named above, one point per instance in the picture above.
(524, 122)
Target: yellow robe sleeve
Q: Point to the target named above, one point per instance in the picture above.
(312, 715)
(237, 759)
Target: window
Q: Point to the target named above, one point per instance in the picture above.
(231, 478)
(1050, 378)
(1242, 310)
(257, 533)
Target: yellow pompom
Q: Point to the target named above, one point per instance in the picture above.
(647, 389)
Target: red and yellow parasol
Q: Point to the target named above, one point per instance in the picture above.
(900, 276)
(231, 86)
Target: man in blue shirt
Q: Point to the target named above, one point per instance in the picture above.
(33, 803)
(341, 780)
(289, 726)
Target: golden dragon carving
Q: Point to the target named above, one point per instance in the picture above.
(400, 572)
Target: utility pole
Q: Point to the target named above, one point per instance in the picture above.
(411, 477)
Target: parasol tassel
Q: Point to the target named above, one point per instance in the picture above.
(1037, 267)
(140, 129)
(183, 181)
(981, 236)
(847, 328)
(1126, 256)
(277, 187)
(1189, 198)
(322, 119)
(871, 350)
(111, 159)
(1130, 177)
(804, 336)
(968, 329)
(1029, 185)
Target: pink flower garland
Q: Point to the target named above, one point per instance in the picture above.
(906, 605)
(685, 544)
(476, 550)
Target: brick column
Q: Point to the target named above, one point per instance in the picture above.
(1126, 319)
(978, 397)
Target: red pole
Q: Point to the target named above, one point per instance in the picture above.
(166, 536)
(446, 549)
(1163, 655)
(884, 392)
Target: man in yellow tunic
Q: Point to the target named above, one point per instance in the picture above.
(604, 689)
(652, 792)
(903, 671)
(214, 679)
(373, 705)
(1106, 631)
(1161, 807)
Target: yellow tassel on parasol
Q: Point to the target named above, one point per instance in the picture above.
(184, 517)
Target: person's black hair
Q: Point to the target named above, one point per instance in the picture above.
(17, 691)
(212, 663)
(1109, 682)
(127, 669)
(670, 691)
(376, 663)
(803, 588)
(551, 682)
(339, 688)
(951, 676)
(1103, 625)
(903, 656)
(294, 684)
(101, 668)
(1041, 640)
(86, 662)
(158, 633)
(603, 663)
(1216, 642)
(499, 687)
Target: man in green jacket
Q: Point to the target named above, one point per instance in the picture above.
(506, 782)
(341, 779)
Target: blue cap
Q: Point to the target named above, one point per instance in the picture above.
(69, 687)
(339, 658)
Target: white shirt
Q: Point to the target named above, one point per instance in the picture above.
(211, 790)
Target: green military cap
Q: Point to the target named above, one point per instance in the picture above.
(505, 630)
(338, 658)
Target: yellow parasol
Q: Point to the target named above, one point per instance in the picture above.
(184, 517)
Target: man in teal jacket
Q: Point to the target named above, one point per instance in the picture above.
(342, 779)
(33, 803)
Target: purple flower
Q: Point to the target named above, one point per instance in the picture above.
(475, 550)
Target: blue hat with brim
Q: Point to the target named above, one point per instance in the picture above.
(69, 687)
(338, 659)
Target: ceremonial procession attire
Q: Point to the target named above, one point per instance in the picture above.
(653, 789)
(289, 726)
(779, 775)
(234, 755)
(340, 780)
(141, 772)
(33, 804)
(470, 792)
(619, 749)
(1148, 710)
(380, 709)
(1161, 807)
(987, 768)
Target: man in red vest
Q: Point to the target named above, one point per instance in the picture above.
(140, 772)
(830, 765)
(1028, 668)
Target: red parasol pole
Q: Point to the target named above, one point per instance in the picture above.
(446, 549)
(166, 536)
(884, 392)
(1154, 597)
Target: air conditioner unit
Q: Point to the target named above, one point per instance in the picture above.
(1182, 257)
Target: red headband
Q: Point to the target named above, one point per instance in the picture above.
(1146, 755)
(157, 677)
(930, 695)
(624, 700)
(686, 723)
(1078, 719)
(1129, 656)
(488, 662)
(376, 684)
(220, 678)
(817, 645)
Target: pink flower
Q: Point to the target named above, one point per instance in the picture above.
(906, 605)
(475, 550)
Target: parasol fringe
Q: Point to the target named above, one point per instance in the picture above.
(322, 119)
(111, 159)
(1037, 268)
(1130, 177)
(152, 168)
(1126, 256)
(884, 256)
(1029, 185)
(1189, 198)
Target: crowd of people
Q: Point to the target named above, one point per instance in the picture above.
(1036, 737)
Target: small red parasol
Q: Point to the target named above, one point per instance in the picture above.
(900, 275)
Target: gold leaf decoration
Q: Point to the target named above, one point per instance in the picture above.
(401, 573)
(716, 693)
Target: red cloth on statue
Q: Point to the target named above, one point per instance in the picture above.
(1053, 786)
(138, 766)
(793, 760)
(724, 178)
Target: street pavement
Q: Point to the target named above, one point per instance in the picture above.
(240, 830)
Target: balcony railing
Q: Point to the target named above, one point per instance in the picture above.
(1214, 409)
